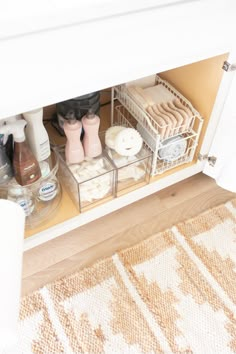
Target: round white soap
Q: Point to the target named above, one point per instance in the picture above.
(128, 142)
(111, 134)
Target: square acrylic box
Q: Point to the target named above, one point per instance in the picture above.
(133, 171)
(88, 183)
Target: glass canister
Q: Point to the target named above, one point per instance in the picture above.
(40, 199)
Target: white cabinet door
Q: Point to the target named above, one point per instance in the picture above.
(224, 144)
(57, 50)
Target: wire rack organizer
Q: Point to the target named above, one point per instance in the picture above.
(172, 142)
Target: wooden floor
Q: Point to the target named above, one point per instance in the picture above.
(121, 229)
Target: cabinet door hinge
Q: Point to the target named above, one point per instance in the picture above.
(228, 67)
(211, 159)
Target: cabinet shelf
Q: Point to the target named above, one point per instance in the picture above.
(193, 82)
(67, 217)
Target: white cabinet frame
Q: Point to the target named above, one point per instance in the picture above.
(60, 52)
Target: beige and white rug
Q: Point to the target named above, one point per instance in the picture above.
(173, 293)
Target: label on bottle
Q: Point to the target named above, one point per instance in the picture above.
(22, 197)
(27, 205)
(44, 150)
(48, 191)
(26, 173)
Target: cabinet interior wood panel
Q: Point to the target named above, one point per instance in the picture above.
(199, 83)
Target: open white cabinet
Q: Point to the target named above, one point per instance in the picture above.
(74, 50)
(223, 146)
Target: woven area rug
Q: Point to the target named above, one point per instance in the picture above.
(173, 293)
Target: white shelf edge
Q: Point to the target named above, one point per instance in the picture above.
(109, 207)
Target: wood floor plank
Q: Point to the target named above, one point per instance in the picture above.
(83, 238)
(118, 230)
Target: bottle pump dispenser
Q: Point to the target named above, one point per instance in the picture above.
(5, 165)
(91, 141)
(36, 134)
(25, 165)
(74, 152)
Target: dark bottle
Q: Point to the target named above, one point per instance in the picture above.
(26, 167)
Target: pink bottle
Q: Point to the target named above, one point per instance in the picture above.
(74, 151)
(91, 141)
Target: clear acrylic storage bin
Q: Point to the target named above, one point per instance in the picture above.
(39, 199)
(132, 172)
(88, 183)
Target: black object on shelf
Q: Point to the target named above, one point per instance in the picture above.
(75, 108)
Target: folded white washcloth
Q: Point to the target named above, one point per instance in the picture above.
(159, 94)
(143, 82)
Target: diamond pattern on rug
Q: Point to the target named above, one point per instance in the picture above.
(97, 312)
(183, 303)
(172, 293)
(36, 332)
(212, 237)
